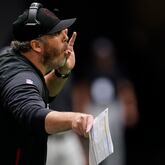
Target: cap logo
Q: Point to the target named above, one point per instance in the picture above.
(49, 14)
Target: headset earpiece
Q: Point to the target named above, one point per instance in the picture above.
(32, 16)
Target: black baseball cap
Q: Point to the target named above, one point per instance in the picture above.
(46, 22)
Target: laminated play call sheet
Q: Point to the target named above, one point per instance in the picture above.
(100, 141)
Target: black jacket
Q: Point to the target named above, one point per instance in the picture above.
(23, 108)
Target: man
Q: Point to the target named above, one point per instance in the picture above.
(37, 66)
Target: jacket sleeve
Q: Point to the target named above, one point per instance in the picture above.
(23, 99)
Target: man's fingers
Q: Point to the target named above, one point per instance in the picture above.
(90, 120)
(83, 124)
(72, 39)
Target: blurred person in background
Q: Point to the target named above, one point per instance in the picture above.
(105, 87)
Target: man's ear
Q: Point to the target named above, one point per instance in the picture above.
(36, 46)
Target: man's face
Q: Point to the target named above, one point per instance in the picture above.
(54, 47)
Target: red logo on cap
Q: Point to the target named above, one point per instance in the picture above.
(50, 14)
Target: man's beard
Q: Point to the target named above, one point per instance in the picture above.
(63, 62)
(48, 59)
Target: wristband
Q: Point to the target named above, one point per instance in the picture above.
(59, 75)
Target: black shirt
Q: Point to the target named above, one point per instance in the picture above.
(23, 108)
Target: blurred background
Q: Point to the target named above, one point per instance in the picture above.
(134, 32)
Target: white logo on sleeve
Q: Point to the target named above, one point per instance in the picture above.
(28, 81)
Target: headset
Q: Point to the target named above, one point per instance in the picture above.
(32, 16)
